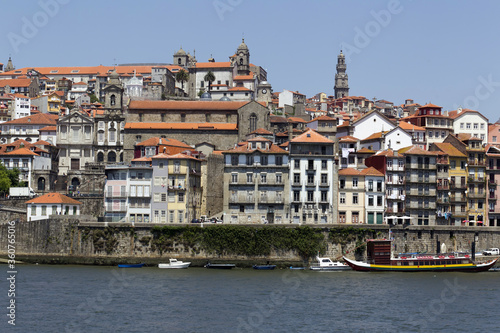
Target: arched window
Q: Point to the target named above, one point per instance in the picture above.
(75, 182)
(113, 100)
(41, 184)
(100, 157)
(111, 157)
(241, 61)
(253, 122)
(178, 61)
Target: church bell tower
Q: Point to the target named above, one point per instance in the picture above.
(341, 81)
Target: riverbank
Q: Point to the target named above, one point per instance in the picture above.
(71, 241)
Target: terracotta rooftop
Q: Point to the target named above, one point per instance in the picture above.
(430, 105)
(348, 172)
(54, 198)
(449, 149)
(311, 136)
(184, 126)
(415, 150)
(410, 127)
(348, 138)
(261, 131)
(15, 82)
(21, 151)
(371, 171)
(186, 105)
(37, 119)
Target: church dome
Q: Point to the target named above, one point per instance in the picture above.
(181, 52)
(243, 46)
(114, 74)
(206, 97)
(225, 99)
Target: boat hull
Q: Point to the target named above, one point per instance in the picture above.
(130, 265)
(178, 266)
(264, 267)
(220, 266)
(331, 269)
(469, 267)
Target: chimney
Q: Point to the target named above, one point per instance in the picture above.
(290, 132)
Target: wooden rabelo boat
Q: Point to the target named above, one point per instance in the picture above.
(379, 259)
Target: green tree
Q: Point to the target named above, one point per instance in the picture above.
(182, 76)
(93, 98)
(210, 77)
(201, 92)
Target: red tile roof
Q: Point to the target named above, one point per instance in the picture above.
(186, 105)
(48, 129)
(410, 127)
(225, 64)
(37, 119)
(296, 120)
(238, 89)
(54, 198)
(449, 149)
(243, 77)
(184, 126)
(415, 150)
(349, 172)
(21, 151)
(311, 136)
(371, 171)
(15, 83)
(348, 138)
(429, 105)
(176, 156)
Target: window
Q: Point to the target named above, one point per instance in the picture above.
(278, 178)
(354, 198)
(249, 160)
(263, 160)
(253, 122)
(296, 178)
(467, 125)
(44, 210)
(33, 210)
(297, 164)
(482, 126)
(171, 196)
(164, 197)
(342, 198)
(476, 126)
(379, 200)
(234, 178)
(249, 177)
(461, 125)
(342, 183)
(354, 182)
(323, 164)
(310, 195)
(234, 159)
(494, 139)
(171, 216)
(263, 178)
(296, 195)
(370, 200)
(181, 197)
(324, 196)
(279, 160)
(370, 185)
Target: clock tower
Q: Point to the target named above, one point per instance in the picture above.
(341, 81)
(264, 92)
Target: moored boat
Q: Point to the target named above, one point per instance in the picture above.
(379, 259)
(131, 265)
(264, 267)
(220, 266)
(326, 264)
(297, 268)
(174, 263)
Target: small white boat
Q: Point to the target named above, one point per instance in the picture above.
(174, 263)
(326, 264)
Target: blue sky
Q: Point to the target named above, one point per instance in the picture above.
(444, 52)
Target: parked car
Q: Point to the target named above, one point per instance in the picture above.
(494, 251)
(195, 221)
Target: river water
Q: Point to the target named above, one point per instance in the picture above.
(109, 299)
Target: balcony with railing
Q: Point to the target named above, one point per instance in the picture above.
(116, 194)
(443, 200)
(492, 196)
(476, 162)
(476, 195)
(296, 182)
(471, 179)
(457, 198)
(458, 186)
(442, 160)
(492, 182)
(310, 183)
(324, 183)
(442, 187)
(394, 210)
(241, 199)
(416, 205)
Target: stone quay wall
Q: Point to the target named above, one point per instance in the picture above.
(65, 240)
